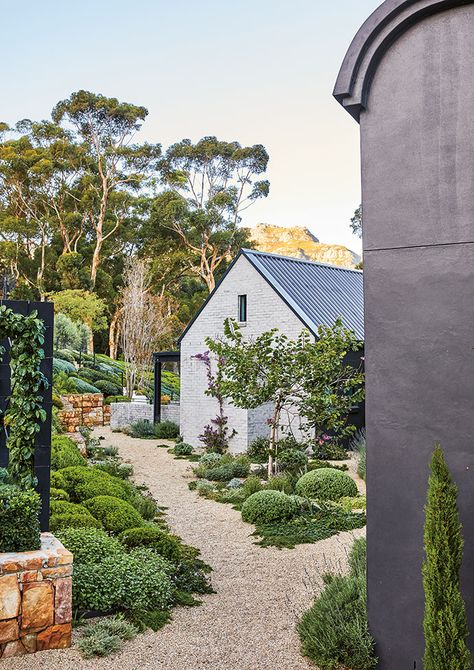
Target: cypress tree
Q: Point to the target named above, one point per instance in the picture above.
(445, 622)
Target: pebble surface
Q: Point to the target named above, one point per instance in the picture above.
(250, 622)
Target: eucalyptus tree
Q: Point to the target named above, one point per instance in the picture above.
(208, 186)
(115, 168)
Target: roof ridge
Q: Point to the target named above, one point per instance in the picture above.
(256, 252)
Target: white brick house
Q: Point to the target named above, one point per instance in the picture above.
(262, 291)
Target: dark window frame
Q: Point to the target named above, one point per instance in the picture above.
(242, 308)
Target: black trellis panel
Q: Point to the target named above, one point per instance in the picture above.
(42, 463)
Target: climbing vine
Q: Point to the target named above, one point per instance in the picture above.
(24, 413)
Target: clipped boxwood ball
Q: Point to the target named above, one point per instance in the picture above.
(154, 538)
(326, 484)
(114, 514)
(61, 521)
(268, 506)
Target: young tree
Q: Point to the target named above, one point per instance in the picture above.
(144, 318)
(356, 222)
(445, 622)
(330, 387)
(82, 307)
(114, 168)
(258, 371)
(208, 186)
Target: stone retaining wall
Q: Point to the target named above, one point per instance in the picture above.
(83, 409)
(36, 599)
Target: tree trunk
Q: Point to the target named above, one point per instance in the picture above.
(90, 345)
(273, 441)
(114, 334)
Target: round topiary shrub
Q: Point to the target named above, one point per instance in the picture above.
(65, 453)
(19, 519)
(154, 538)
(65, 507)
(183, 449)
(59, 494)
(114, 514)
(89, 545)
(83, 483)
(326, 484)
(61, 521)
(268, 506)
(58, 481)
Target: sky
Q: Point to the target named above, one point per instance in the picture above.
(255, 71)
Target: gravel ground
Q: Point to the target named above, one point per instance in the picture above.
(249, 624)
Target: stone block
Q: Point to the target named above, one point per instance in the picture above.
(29, 642)
(54, 637)
(37, 606)
(10, 597)
(63, 601)
(13, 649)
(9, 630)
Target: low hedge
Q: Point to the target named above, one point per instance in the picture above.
(114, 514)
(83, 483)
(19, 519)
(183, 449)
(62, 521)
(268, 506)
(153, 537)
(108, 388)
(65, 507)
(65, 453)
(326, 484)
(83, 387)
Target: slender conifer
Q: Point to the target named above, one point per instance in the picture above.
(445, 622)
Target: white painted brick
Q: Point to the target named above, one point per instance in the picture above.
(266, 310)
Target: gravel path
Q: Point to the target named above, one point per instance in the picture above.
(249, 624)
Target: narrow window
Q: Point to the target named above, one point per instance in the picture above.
(242, 308)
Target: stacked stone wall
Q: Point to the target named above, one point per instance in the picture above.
(85, 409)
(35, 599)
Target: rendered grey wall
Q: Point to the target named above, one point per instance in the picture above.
(417, 137)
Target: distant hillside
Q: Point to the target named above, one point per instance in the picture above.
(299, 242)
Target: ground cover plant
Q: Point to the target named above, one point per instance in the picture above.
(289, 508)
(334, 633)
(125, 558)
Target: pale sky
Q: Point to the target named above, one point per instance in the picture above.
(255, 71)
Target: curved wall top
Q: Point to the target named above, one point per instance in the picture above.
(375, 37)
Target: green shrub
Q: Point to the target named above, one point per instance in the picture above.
(65, 355)
(60, 521)
(329, 451)
(284, 483)
(116, 469)
(5, 477)
(142, 429)
(317, 465)
(83, 483)
(258, 450)
(58, 481)
(83, 386)
(154, 538)
(89, 545)
(60, 365)
(334, 633)
(154, 620)
(106, 636)
(229, 469)
(359, 447)
(166, 430)
(348, 504)
(204, 487)
(19, 519)
(251, 485)
(64, 507)
(108, 388)
(268, 506)
(135, 581)
(65, 453)
(183, 449)
(116, 398)
(326, 484)
(292, 460)
(114, 514)
(98, 643)
(358, 558)
(210, 460)
(59, 494)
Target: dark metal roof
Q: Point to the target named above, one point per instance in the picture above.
(318, 293)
